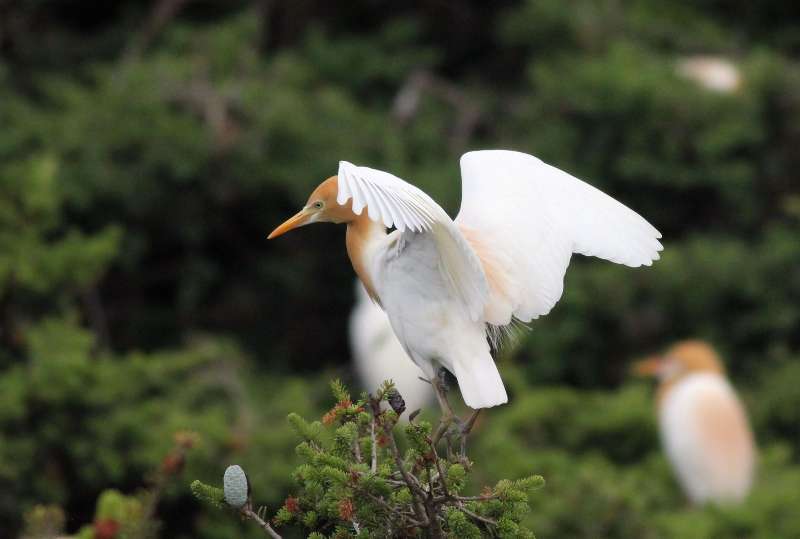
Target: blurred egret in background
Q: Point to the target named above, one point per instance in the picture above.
(704, 427)
(379, 356)
(446, 284)
(711, 72)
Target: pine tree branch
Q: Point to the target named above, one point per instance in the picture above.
(401, 500)
(432, 508)
(247, 512)
(475, 498)
(466, 429)
(441, 472)
(396, 511)
(477, 516)
(416, 492)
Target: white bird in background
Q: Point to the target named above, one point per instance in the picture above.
(379, 356)
(445, 283)
(704, 428)
(714, 73)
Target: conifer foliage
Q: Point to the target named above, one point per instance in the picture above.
(359, 478)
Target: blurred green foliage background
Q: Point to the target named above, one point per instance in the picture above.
(148, 147)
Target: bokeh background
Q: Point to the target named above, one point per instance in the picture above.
(148, 147)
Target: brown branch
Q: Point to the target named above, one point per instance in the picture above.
(477, 516)
(466, 429)
(414, 487)
(436, 527)
(247, 512)
(455, 497)
(441, 472)
(448, 415)
(475, 498)
(431, 508)
(416, 491)
(394, 510)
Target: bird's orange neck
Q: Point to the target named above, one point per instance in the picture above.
(362, 232)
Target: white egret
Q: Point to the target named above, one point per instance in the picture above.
(714, 73)
(704, 428)
(445, 283)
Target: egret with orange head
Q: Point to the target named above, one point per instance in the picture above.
(448, 284)
(704, 428)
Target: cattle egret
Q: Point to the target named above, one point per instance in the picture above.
(714, 73)
(445, 284)
(704, 428)
(379, 356)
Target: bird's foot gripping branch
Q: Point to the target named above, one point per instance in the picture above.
(358, 479)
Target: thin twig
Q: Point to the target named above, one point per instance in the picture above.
(394, 510)
(247, 512)
(466, 429)
(455, 497)
(436, 527)
(431, 508)
(430, 481)
(374, 466)
(441, 428)
(447, 411)
(441, 472)
(478, 517)
(475, 498)
(389, 481)
(416, 491)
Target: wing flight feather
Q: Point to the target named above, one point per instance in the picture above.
(532, 216)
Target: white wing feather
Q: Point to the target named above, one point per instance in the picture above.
(394, 202)
(525, 218)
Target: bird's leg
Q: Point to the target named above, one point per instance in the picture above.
(466, 428)
(439, 383)
(440, 389)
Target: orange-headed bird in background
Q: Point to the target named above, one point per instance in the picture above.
(704, 428)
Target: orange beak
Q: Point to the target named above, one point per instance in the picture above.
(301, 218)
(650, 366)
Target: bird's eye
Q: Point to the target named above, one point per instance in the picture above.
(318, 205)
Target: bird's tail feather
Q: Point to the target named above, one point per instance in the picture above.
(479, 381)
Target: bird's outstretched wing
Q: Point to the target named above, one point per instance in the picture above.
(525, 218)
(394, 202)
